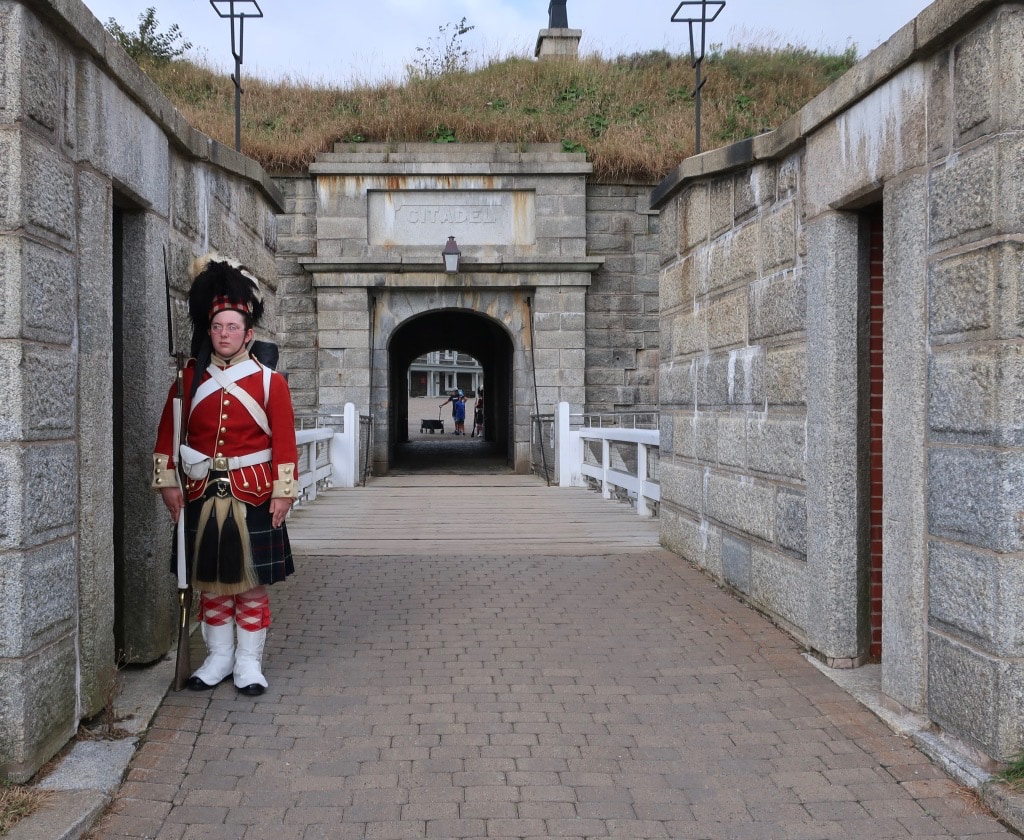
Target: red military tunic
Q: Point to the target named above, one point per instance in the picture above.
(221, 426)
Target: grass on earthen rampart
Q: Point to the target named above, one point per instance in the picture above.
(633, 116)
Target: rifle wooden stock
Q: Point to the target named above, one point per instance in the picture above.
(183, 659)
(182, 662)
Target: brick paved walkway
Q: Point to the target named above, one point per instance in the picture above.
(620, 695)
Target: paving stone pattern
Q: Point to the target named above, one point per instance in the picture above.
(522, 697)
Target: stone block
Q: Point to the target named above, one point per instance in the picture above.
(720, 205)
(977, 595)
(779, 585)
(732, 440)
(11, 187)
(777, 446)
(668, 235)
(250, 207)
(976, 497)
(186, 199)
(963, 289)
(693, 215)
(39, 714)
(683, 428)
(745, 376)
(736, 563)
(979, 192)
(788, 179)
(47, 190)
(695, 540)
(572, 360)
(688, 331)
(712, 378)
(727, 320)
(741, 504)
(574, 322)
(940, 103)
(785, 376)
(39, 59)
(682, 484)
(608, 283)
(778, 306)
(39, 591)
(50, 495)
(754, 188)
(666, 437)
(791, 521)
(732, 258)
(875, 139)
(705, 437)
(975, 80)
(121, 140)
(778, 238)
(977, 395)
(38, 392)
(975, 696)
(963, 196)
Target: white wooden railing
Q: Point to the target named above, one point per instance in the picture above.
(573, 467)
(327, 457)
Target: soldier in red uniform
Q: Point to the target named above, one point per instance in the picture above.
(240, 458)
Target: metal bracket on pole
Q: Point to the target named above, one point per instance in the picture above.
(697, 55)
(240, 16)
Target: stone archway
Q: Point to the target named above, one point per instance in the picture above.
(468, 332)
(383, 216)
(490, 325)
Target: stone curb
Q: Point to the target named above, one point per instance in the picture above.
(862, 684)
(85, 780)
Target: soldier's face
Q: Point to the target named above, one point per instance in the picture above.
(228, 333)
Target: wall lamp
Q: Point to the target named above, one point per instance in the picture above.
(451, 254)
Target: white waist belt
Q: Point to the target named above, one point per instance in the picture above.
(196, 464)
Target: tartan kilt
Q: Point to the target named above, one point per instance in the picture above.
(271, 551)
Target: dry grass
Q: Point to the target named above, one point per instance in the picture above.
(16, 803)
(633, 116)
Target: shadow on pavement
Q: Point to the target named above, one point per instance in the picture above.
(448, 454)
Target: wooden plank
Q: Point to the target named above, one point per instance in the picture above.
(465, 515)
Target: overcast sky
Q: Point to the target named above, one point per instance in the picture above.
(341, 41)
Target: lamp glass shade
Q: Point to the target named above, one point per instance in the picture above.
(451, 254)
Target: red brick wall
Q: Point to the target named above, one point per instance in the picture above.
(875, 446)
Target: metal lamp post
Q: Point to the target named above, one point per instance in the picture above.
(697, 56)
(240, 16)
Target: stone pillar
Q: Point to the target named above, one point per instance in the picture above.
(904, 458)
(95, 399)
(148, 590)
(558, 44)
(837, 620)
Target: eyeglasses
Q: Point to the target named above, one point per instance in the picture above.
(230, 329)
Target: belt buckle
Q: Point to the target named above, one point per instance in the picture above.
(220, 464)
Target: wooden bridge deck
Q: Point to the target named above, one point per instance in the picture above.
(460, 515)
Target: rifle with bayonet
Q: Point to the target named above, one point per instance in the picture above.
(182, 662)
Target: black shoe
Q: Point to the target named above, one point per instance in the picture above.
(254, 690)
(196, 684)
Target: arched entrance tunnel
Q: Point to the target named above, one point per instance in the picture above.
(475, 335)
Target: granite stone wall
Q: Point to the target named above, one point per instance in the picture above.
(98, 175)
(622, 339)
(764, 348)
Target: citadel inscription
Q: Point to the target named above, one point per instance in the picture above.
(429, 217)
